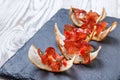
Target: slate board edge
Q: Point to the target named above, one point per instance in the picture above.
(12, 76)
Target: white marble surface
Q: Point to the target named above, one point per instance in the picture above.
(21, 19)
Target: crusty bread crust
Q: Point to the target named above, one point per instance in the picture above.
(36, 60)
(78, 59)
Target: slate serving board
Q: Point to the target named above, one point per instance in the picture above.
(105, 67)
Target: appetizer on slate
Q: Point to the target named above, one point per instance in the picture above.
(90, 21)
(50, 60)
(79, 17)
(73, 43)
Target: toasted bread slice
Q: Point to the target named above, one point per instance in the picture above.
(78, 59)
(73, 19)
(104, 33)
(78, 23)
(36, 60)
(102, 16)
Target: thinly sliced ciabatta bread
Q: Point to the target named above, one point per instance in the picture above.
(89, 20)
(101, 16)
(78, 58)
(35, 59)
(79, 22)
(102, 35)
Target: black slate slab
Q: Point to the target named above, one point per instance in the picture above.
(105, 67)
